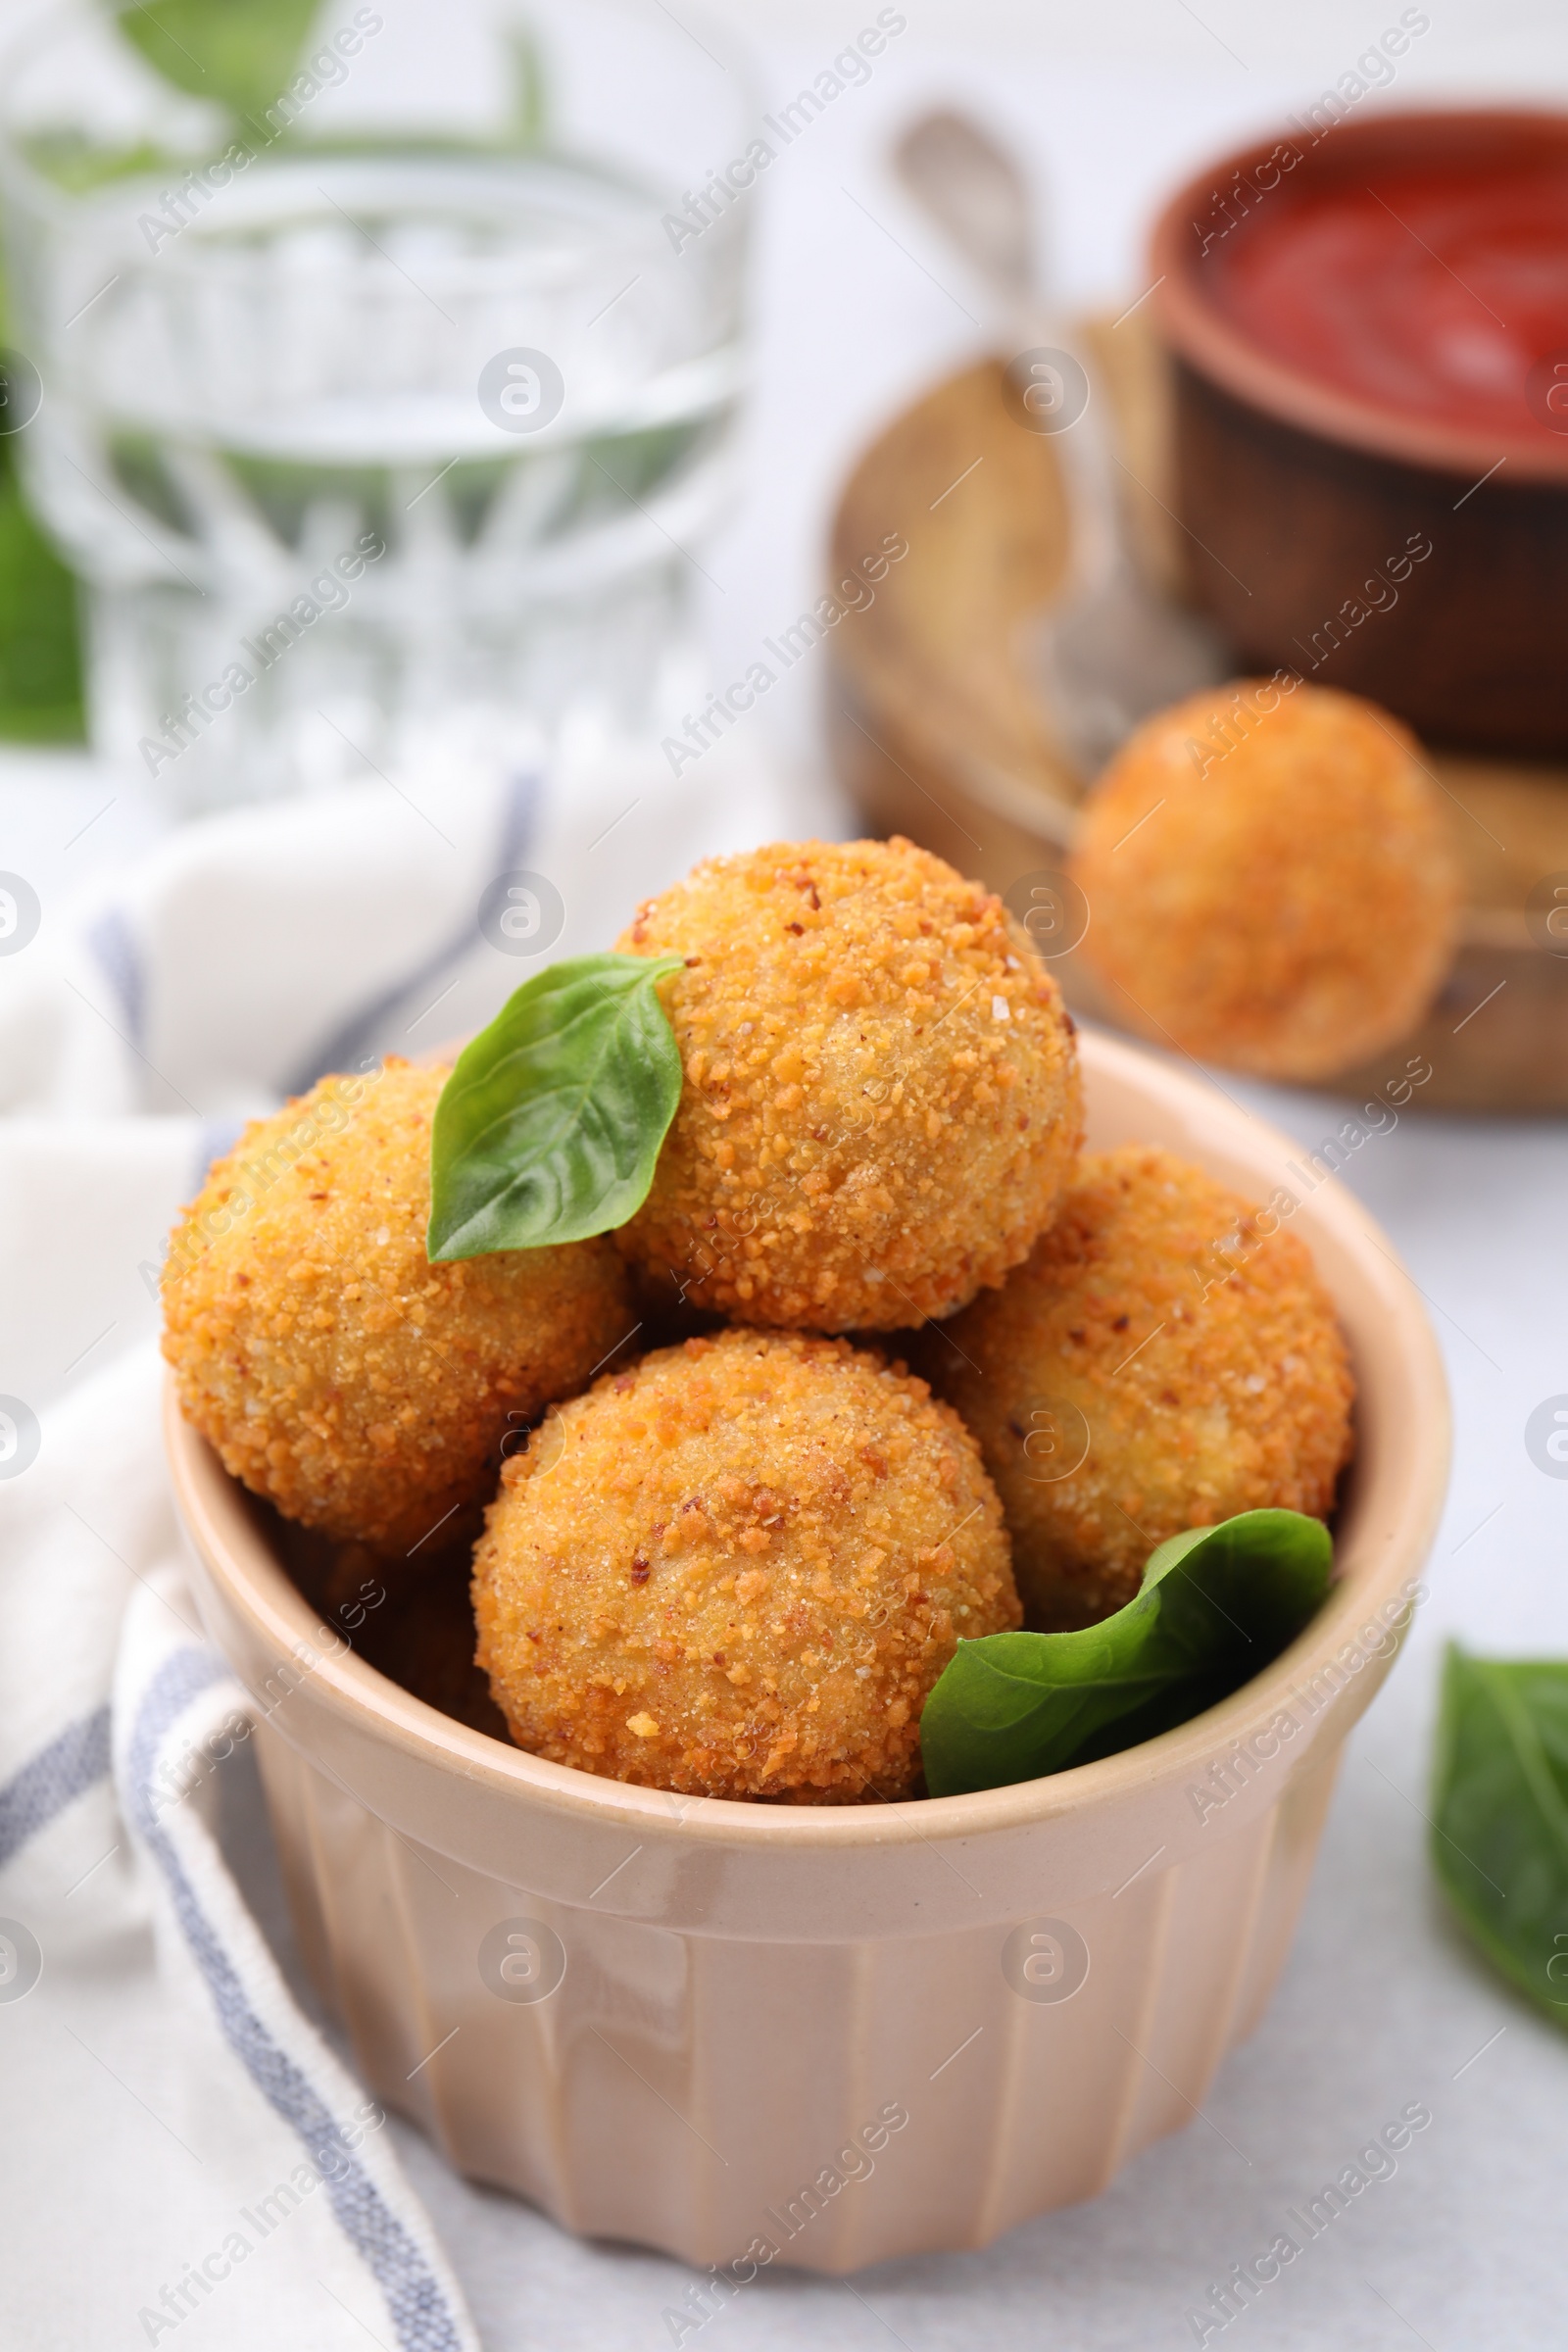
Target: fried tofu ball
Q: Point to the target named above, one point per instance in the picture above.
(1166, 1358)
(1270, 879)
(362, 1390)
(737, 1570)
(882, 1098)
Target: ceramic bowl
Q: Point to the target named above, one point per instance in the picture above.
(1295, 497)
(823, 2037)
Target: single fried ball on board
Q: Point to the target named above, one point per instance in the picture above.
(881, 1100)
(1166, 1358)
(1270, 879)
(362, 1390)
(737, 1570)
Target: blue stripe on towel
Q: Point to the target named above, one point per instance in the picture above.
(420, 2313)
(54, 1779)
(349, 1046)
(217, 1136)
(119, 958)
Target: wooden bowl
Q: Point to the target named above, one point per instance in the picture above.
(1295, 495)
(938, 730)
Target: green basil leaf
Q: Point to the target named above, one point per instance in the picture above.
(240, 53)
(1500, 1811)
(550, 1125)
(1216, 1605)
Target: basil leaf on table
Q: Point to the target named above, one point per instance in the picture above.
(550, 1125)
(1216, 1605)
(1499, 1843)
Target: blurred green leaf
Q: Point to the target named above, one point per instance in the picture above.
(529, 96)
(240, 53)
(1499, 1807)
(40, 637)
(40, 649)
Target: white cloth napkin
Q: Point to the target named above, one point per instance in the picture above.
(137, 1998)
(168, 2106)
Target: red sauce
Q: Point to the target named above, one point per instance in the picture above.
(1432, 294)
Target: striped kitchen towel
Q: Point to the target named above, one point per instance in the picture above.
(183, 2151)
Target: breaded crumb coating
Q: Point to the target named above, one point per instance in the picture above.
(362, 1390)
(1271, 879)
(1166, 1358)
(737, 1569)
(881, 1100)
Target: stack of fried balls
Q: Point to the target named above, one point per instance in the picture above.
(736, 1565)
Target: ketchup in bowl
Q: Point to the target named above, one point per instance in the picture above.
(1368, 330)
(1437, 293)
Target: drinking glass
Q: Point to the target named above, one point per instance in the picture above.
(381, 415)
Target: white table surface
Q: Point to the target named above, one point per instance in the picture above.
(1381, 2003)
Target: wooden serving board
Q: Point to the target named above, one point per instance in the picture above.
(938, 730)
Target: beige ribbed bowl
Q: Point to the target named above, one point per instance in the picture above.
(1038, 1981)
